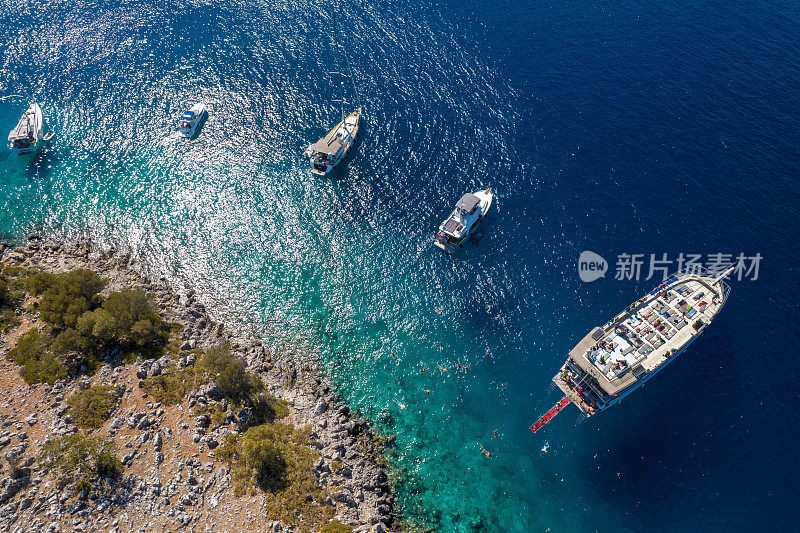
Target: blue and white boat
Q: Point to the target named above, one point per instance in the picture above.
(190, 120)
(615, 359)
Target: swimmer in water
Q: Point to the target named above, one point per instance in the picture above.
(399, 404)
(443, 369)
(485, 452)
(427, 391)
(438, 311)
(496, 435)
(545, 447)
(424, 369)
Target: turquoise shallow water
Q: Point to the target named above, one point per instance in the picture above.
(644, 128)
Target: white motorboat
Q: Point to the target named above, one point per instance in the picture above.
(469, 212)
(25, 138)
(190, 120)
(329, 151)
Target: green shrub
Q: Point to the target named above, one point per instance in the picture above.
(267, 408)
(276, 459)
(133, 318)
(171, 386)
(228, 450)
(5, 295)
(38, 363)
(91, 407)
(8, 320)
(80, 459)
(334, 526)
(230, 373)
(70, 340)
(39, 282)
(68, 296)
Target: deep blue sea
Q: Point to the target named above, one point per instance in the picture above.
(618, 127)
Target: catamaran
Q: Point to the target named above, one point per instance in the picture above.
(615, 359)
(469, 212)
(329, 151)
(190, 119)
(29, 131)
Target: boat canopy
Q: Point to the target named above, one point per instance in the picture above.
(468, 203)
(22, 132)
(187, 115)
(324, 147)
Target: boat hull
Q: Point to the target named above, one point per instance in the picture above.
(449, 242)
(34, 112)
(200, 111)
(351, 125)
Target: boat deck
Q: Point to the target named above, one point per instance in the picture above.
(641, 338)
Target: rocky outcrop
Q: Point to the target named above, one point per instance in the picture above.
(171, 479)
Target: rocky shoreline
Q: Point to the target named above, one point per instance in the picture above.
(171, 479)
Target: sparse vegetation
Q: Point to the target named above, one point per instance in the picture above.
(276, 459)
(218, 364)
(36, 360)
(91, 407)
(334, 526)
(81, 323)
(80, 459)
(230, 373)
(172, 385)
(68, 295)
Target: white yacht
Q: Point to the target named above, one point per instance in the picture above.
(29, 131)
(469, 212)
(329, 151)
(615, 359)
(187, 126)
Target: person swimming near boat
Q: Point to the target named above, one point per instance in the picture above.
(484, 451)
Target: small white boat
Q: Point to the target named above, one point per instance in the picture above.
(329, 151)
(29, 131)
(469, 212)
(187, 125)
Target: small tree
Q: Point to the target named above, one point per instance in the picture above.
(80, 459)
(69, 296)
(38, 364)
(39, 282)
(90, 408)
(70, 340)
(230, 373)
